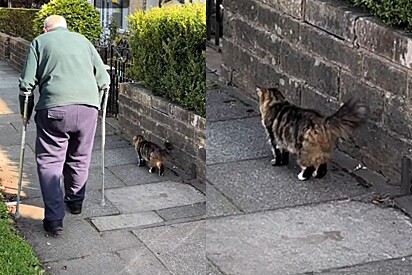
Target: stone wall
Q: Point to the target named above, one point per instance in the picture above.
(159, 120)
(320, 53)
(19, 48)
(14, 50)
(4, 46)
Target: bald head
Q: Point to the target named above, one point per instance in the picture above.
(54, 21)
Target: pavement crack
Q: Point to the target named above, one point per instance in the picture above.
(226, 197)
(215, 266)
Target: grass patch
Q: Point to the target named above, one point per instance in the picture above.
(16, 255)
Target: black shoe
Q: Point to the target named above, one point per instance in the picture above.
(75, 209)
(53, 227)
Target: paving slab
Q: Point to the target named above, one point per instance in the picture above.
(186, 211)
(30, 183)
(181, 247)
(91, 206)
(214, 60)
(131, 174)
(224, 104)
(114, 157)
(256, 185)
(79, 239)
(10, 118)
(7, 84)
(7, 109)
(212, 270)
(404, 203)
(10, 155)
(236, 140)
(140, 260)
(109, 129)
(137, 260)
(7, 129)
(15, 139)
(217, 204)
(97, 264)
(31, 127)
(94, 181)
(123, 221)
(154, 196)
(307, 239)
(402, 266)
(112, 141)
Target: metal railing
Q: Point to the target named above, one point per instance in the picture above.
(214, 22)
(118, 59)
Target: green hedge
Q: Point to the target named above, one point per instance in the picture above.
(169, 53)
(18, 22)
(16, 255)
(392, 12)
(80, 15)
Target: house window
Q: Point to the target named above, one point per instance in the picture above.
(117, 9)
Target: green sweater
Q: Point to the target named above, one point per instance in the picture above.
(66, 67)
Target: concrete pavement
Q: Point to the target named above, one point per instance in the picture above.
(263, 220)
(150, 224)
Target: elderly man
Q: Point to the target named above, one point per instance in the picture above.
(71, 78)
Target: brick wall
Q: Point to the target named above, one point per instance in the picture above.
(159, 120)
(4, 46)
(320, 53)
(19, 48)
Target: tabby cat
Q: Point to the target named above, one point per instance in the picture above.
(151, 154)
(305, 132)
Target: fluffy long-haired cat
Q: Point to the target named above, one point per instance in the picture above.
(305, 132)
(151, 154)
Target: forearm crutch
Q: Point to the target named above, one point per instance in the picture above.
(22, 148)
(105, 98)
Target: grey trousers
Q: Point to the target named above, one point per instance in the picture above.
(64, 144)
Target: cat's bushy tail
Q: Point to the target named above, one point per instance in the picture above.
(350, 116)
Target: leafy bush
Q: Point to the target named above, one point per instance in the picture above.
(80, 15)
(168, 47)
(28, 3)
(17, 22)
(16, 255)
(392, 12)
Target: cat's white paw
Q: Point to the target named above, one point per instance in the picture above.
(300, 176)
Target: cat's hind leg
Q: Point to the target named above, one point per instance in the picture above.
(306, 173)
(140, 160)
(321, 171)
(280, 157)
(161, 168)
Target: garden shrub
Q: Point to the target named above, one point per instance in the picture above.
(18, 22)
(169, 53)
(80, 15)
(16, 255)
(392, 12)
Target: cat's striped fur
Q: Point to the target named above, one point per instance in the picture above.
(305, 132)
(151, 154)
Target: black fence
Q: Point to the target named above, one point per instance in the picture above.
(118, 61)
(214, 20)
